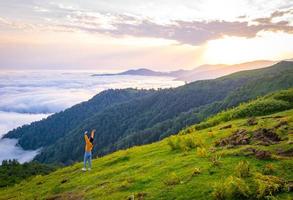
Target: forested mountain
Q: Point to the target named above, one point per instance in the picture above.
(47, 131)
(241, 153)
(152, 116)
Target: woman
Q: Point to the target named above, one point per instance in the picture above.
(88, 149)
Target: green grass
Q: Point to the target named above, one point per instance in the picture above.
(272, 103)
(157, 171)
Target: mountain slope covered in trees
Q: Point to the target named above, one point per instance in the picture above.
(155, 115)
(48, 131)
(243, 153)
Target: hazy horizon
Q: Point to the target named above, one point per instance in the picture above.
(122, 69)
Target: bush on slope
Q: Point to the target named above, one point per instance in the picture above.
(272, 103)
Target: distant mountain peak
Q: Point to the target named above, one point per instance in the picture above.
(138, 72)
(202, 72)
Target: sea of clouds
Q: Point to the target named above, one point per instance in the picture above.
(29, 96)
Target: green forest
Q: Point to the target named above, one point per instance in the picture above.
(129, 117)
(12, 172)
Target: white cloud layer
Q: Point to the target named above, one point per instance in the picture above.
(10, 120)
(9, 150)
(30, 96)
(8, 147)
(49, 92)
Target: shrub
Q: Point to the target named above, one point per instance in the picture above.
(172, 179)
(211, 134)
(189, 141)
(268, 185)
(188, 130)
(268, 169)
(243, 169)
(125, 185)
(201, 152)
(216, 160)
(212, 149)
(236, 188)
(196, 171)
(182, 145)
(199, 142)
(219, 191)
(173, 142)
(231, 188)
(261, 107)
(184, 142)
(285, 95)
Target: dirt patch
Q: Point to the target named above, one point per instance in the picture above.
(141, 195)
(240, 137)
(290, 186)
(131, 197)
(287, 153)
(282, 123)
(63, 181)
(266, 136)
(39, 183)
(66, 196)
(226, 127)
(259, 154)
(251, 122)
(56, 197)
(103, 184)
(274, 117)
(261, 136)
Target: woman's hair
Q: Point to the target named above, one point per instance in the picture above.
(91, 140)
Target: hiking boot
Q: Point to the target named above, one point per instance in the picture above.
(83, 169)
(89, 169)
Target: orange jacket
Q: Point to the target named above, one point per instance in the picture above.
(88, 144)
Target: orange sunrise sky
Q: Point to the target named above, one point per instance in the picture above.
(159, 35)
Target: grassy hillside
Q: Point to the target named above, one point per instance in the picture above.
(275, 102)
(237, 158)
(150, 117)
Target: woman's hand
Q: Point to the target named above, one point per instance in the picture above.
(93, 133)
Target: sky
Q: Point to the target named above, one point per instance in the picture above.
(157, 34)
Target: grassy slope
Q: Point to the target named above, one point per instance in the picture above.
(145, 170)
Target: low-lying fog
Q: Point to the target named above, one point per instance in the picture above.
(32, 95)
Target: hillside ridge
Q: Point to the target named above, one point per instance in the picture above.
(244, 157)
